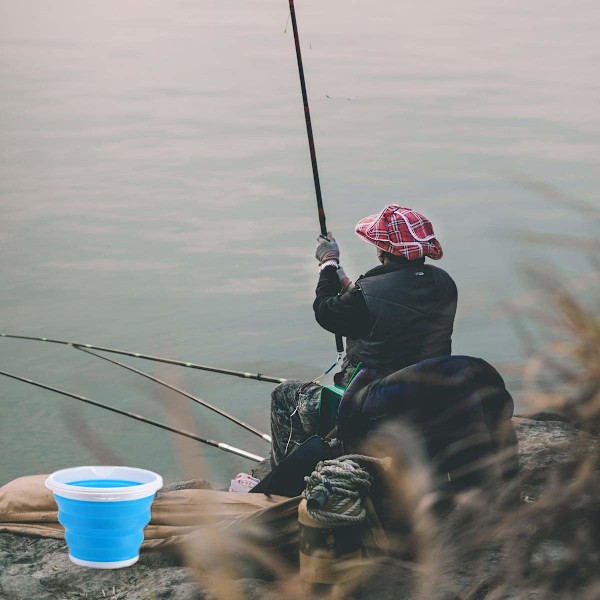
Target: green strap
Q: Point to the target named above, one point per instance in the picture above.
(356, 370)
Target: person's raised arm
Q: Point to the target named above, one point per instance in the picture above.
(339, 306)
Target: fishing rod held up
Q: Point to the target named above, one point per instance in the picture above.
(309, 131)
(179, 363)
(193, 436)
(311, 146)
(235, 420)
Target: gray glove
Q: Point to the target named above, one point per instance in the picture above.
(327, 249)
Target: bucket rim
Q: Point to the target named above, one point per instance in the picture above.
(60, 483)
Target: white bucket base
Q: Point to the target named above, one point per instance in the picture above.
(119, 564)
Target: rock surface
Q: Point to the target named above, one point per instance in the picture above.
(38, 568)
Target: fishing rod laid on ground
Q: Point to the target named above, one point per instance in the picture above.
(180, 363)
(235, 420)
(193, 436)
(311, 145)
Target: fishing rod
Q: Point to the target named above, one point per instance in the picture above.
(235, 420)
(193, 436)
(179, 363)
(311, 145)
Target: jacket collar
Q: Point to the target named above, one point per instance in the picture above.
(390, 267)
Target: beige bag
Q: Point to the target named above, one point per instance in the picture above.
(27, 507)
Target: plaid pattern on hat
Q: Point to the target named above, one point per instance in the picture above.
(401, 231)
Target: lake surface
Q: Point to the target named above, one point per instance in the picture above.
(156, 194)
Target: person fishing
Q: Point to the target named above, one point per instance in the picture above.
(398, 320)
(395, 315)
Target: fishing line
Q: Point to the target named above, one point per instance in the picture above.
(333, 366)
(235, 420)
(179, 363)
(193, 436)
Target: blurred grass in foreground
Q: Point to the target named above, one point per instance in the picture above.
(545, 545)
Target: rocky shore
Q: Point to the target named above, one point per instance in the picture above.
(38, 568)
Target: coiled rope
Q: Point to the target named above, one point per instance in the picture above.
(336, 488)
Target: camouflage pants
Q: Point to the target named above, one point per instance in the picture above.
(294, 414)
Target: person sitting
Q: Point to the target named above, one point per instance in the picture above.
(395, 315)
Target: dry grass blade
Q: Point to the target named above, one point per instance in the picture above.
(79, 428)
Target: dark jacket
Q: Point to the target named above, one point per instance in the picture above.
(398, 314)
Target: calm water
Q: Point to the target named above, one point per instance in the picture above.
(156, 193)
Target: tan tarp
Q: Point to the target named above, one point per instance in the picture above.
(27, 507)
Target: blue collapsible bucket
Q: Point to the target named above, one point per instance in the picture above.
(104, 511)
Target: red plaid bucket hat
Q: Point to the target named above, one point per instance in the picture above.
(401, 231)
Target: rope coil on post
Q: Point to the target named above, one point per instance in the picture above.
(336, 489)
(331, 522)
